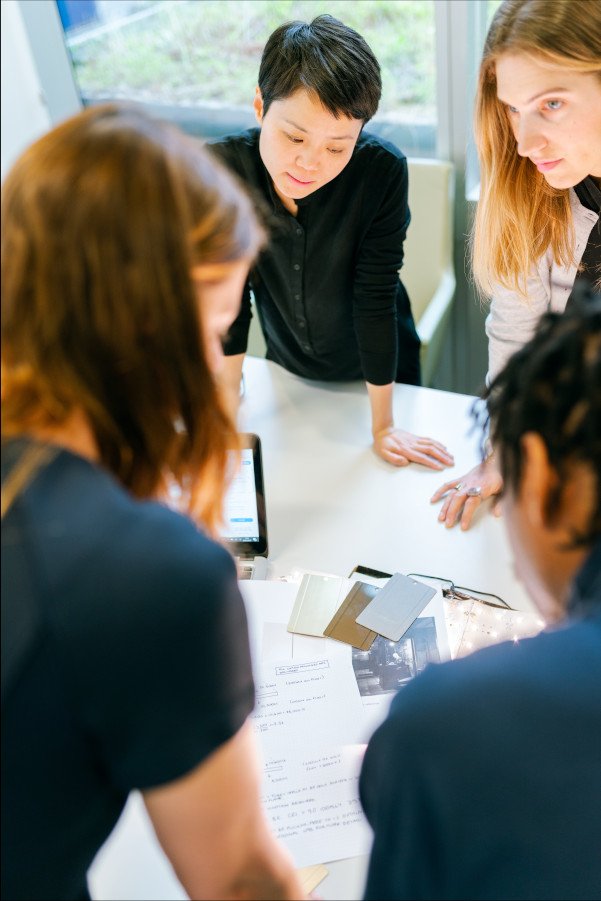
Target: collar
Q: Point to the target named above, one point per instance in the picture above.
(589, 194)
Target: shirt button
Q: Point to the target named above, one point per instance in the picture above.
(301, 323)
(299, 231)
(296, 266)
(297, 296)
(307, 347)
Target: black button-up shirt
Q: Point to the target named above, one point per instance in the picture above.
(327, 289)
(589, 195)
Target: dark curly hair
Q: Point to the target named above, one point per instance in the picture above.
(552, 386)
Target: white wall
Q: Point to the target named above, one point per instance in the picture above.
(24, 114)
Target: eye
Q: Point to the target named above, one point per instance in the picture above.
(511, 110)
(554, 105)
(294, 140)
(331, 149)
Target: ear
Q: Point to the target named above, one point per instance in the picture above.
(258, 105)
(539, 480)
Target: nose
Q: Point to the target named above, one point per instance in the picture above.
(529, 137)
(308, 160)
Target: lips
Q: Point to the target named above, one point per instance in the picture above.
(297, 181)
(546, 165)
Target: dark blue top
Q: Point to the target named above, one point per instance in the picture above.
(327, 288)
(485, 780)
(125, 663)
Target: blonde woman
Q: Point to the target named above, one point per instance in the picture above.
(125, 658)
(537, 226)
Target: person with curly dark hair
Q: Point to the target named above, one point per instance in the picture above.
(485, 780)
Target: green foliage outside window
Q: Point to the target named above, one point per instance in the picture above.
(207, 52)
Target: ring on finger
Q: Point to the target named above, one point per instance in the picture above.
(458, 486)
(476, 491)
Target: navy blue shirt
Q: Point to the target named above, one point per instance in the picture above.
(485, 780)
(327, 288)
(125, 663)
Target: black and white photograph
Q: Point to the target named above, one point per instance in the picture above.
(389, 665)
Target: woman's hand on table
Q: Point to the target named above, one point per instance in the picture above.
(400, 448)
(463, 495)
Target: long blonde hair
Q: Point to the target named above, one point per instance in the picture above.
(519, 215)
(103, 220)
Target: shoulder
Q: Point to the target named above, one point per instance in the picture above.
(236, 150)
(164, 571)
(92, 541)
(141, 617)
(372, 151)
(379, 170)
(473, 698)
(169, 548)
(583, 218)
(375, 147)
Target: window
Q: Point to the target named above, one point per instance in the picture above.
(482, 14)
(196, 61)
(491, 8)
(150, 50)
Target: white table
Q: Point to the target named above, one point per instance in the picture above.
(332, 504)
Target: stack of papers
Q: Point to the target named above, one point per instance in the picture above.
(318, 702)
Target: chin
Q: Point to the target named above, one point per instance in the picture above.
(561, 182)
(295, 192)
(304, 192)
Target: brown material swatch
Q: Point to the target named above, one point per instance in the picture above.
(343, 627)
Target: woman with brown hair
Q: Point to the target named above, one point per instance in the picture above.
(125, 658)
(538, 220)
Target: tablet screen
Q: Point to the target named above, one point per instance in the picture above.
(244, 508)
(240, 517)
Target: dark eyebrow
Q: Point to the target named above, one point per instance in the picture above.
(333, 138)
(542, 94)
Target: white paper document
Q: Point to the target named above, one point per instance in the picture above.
(318, 702)
(307, 702)
(314, 809)
(308, 718)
